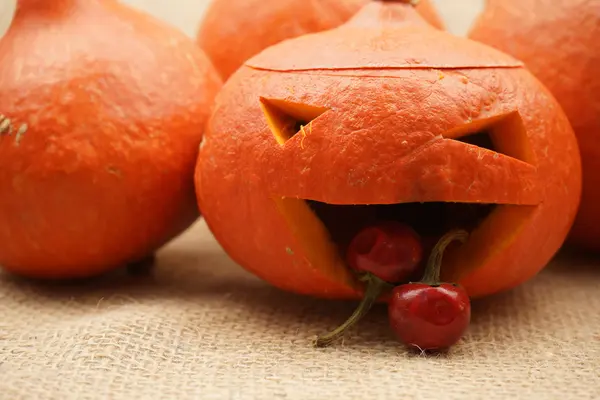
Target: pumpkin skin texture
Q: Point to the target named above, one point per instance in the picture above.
(558, 42)
(107, 108)
(384, 99)
(232, 31)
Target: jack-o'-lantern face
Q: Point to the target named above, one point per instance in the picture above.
(316, 137)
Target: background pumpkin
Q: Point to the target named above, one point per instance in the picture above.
(558, 41)
(103, 109)
(316, 125)
(232, 31)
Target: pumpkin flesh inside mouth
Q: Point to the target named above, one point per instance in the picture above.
(324, 229)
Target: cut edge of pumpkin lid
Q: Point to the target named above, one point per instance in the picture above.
(351, 47)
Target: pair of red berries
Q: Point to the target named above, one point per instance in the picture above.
(427, 315)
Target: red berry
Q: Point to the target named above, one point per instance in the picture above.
(430, 317)
(391, 251)
(429, 314)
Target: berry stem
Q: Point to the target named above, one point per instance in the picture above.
(374, 288)
(434, 263)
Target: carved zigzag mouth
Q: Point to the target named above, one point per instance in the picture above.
(324, 228)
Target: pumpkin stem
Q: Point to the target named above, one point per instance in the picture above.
(434, 264)
(410, 2)
(374, 288)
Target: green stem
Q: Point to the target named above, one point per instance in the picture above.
(434, 264)
(375, 287)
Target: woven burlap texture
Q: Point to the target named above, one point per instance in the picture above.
(201, 327)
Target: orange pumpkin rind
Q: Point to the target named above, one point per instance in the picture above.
(104, 108)
(558, 42)
(386, 116)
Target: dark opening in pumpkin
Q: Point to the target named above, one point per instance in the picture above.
(325, 230)
(431, 219)
(286, 119)
(428, 219)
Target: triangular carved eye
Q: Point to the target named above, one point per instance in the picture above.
(286, 118)
(504, 134)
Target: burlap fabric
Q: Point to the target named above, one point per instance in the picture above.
(200, 327)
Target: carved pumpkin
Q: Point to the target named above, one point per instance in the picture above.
(232, 31)
(558, 41)
(102, 112)
(387, 117)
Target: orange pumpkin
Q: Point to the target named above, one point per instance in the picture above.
(387, 117)
(232, 31)
(558, 41)
(103, 110)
